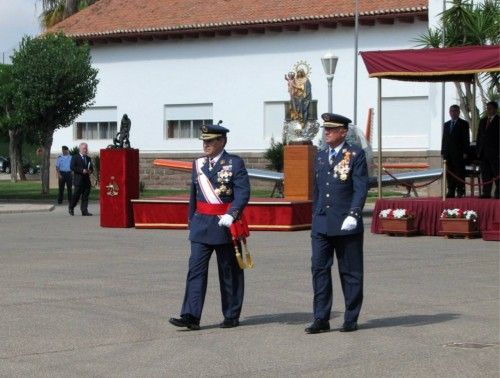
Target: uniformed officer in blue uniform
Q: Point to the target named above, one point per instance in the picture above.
(340, 190)
(63, 168)
(220, 190)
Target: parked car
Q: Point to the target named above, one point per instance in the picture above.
(4, 163)
(28, 167)
(31, 168)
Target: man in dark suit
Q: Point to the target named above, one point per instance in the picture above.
(454, 146)
(488, 149)
(81, 165)
(340, 190)
(220, 190)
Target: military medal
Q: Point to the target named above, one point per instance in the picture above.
(342, 169)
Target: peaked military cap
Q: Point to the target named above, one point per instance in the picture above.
(334, 120)
(212, 131)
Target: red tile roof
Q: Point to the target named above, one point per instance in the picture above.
(137, 17)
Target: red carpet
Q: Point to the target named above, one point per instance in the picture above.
(428, 211)
(269, 214)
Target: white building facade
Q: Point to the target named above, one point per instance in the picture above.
(169, 88)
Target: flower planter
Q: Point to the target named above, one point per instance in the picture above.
(458, 227)
(403, 226)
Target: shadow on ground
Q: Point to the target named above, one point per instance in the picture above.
(285, 318)
(409, 320)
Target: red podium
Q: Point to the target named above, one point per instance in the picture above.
(119, 183)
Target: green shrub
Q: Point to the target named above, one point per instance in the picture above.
(275, 155)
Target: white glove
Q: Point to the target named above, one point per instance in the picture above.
(349, 224)
(226, 220)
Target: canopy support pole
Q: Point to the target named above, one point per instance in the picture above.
(443, 181)
(356, 37)
(379, 135)
(473, 118)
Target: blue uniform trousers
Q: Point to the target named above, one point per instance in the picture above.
(349, 251)
(66, 179)
(231, 280)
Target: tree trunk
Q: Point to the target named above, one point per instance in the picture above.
(70, 7)
(14, 137)
(482, 92)
(47, 145)
(463, 101)
(19, 157)
(471, 105)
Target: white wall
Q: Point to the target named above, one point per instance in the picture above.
(438, 109)
(238, 74)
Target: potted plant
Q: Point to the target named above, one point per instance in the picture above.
(397, 222)
(458, 222)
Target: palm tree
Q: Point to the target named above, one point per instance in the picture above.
(464, 24)
(55, 11)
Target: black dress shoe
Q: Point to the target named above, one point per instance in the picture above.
(485, 196)
(87, 214)
(71, 211)
(186, 321)
(229, 323)
(349, 327)
(318, 326)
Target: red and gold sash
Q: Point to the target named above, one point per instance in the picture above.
(214, 206)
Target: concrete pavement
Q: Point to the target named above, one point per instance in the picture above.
(14, 208)
(77, 300)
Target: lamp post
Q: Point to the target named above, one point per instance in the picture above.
(329, 62)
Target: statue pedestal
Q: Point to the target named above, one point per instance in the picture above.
(119, 183)
(298, 169)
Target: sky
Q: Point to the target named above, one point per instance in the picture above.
(17, 19)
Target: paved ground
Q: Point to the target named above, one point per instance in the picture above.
(15, 208)
(77, 300)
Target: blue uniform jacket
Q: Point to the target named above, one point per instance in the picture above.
(234, 189)
(336, 196)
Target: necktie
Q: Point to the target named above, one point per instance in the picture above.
(452, 125)
(332, 156)
(211, 164)
(488, 122)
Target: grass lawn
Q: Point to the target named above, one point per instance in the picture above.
(31, 190)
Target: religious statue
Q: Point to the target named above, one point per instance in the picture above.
(121, 139)
(299, 88)
(300, 112)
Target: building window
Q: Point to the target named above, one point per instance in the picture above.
(415, 133)
(274, 118)
(183, 121)
(98, 122)
(185, 128)
(95, 130)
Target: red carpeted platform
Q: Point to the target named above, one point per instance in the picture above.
(428, 211)
(262, 214)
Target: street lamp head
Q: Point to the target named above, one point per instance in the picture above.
(329, 64)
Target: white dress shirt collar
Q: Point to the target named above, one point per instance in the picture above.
(216, 159)
(337, 149)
